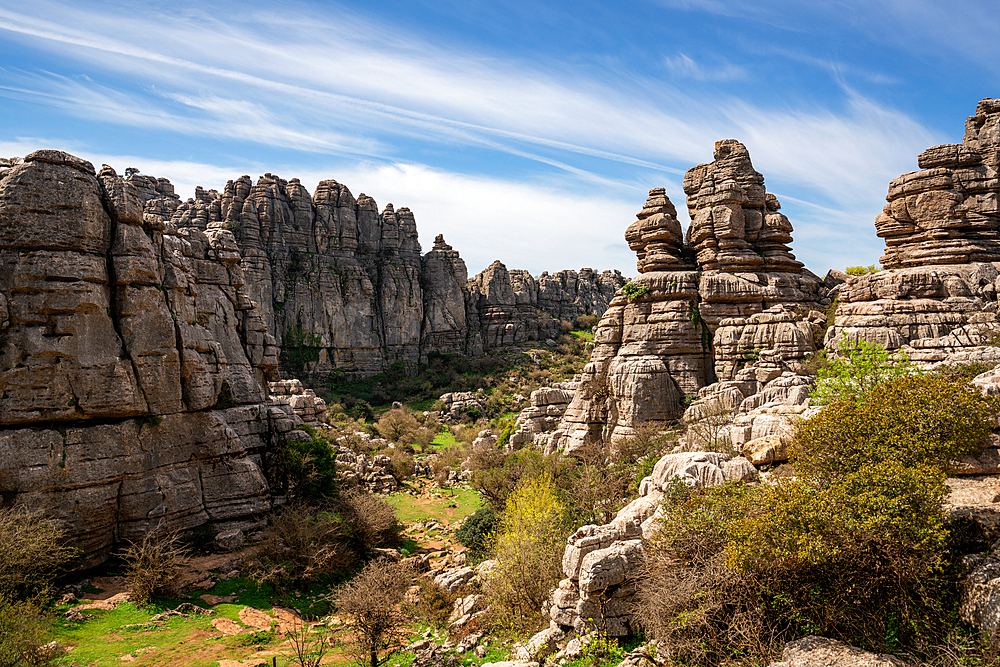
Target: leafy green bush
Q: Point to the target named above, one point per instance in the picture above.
(859, 367)
(305, 471)
(862, 270)
(633, 291)
(854, 547)
(475, 530)
(303, 544)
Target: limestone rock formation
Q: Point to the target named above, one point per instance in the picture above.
(600, 562)
(683, 322)
(133, 361)
(536, 422)
(813, 651)
(343, 288)
(941, 225)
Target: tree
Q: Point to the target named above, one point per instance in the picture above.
(372, 601)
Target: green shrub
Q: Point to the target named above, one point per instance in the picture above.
(633, 291)
(305, 471)
(859, 367)
(528, 548)
(862, 270)
(855, 547)
(913, 420)
(475, 530)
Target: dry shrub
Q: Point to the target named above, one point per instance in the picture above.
(152, 565)
(372, 601)
(433, 605)
(372, 520)
(402, 463)
(32, 549)
(24, 629)
(303, 544)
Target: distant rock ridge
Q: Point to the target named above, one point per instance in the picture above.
(346, 288)
(701, 308)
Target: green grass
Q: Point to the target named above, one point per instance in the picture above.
(443, 440)
(586, 336)
(410, 508)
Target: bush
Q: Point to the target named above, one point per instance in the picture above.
(402, 463)
(433, 605)
(372, 520)
(913, 420)
(372, 601)
(398, 425)
(34, 548)
(862, 270)
(152, 566)
(23, 631)
(475, 531)
(304, 471)
(304, 544)
(859, 367)
(854, 548)
(528, 549)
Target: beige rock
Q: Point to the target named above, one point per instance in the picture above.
(813, 651)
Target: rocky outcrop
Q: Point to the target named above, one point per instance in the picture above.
(536, 422)
(601, 562)
(344, 288)
(301, 401)
(941, 225)
(755, 413)
(813, 651)
(697, 312)
(133, 361)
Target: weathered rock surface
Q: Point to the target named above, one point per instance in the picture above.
(697, 312)
(941, 225)
(813, 651)
(536, 422)
(343, 287)
(600, 562)
(133, 361)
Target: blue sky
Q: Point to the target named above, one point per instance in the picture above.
(523, 131)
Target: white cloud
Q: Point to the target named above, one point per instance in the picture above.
(684, 66)
(333, 84)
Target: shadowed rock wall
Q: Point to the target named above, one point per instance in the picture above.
(132, 360)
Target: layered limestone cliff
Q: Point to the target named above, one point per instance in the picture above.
(938, 294)
(698, 312)
(132, 360)
(344, 288)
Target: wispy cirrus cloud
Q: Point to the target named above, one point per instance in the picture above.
(331, 83)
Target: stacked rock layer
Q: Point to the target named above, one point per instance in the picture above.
(941, 225)
(132, 360)
(698, 311)
(344, 288)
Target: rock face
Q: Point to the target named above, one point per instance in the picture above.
(813, 651)
(601, 562)
(697, 312)
(941, 225)
(344, 288)
(133, 361)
